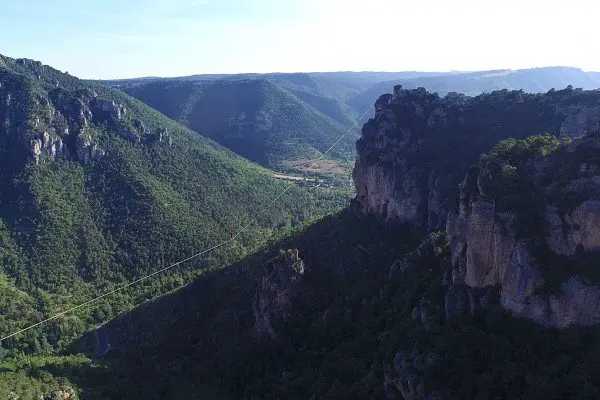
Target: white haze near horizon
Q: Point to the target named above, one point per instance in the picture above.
(117, 39)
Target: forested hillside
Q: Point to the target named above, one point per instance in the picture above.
(255, 118)
(98, 189)
(369, 320)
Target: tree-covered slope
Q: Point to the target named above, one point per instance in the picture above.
(326, 92)
(97, 189)
(268, 118)
(369, 322)
(256, 118)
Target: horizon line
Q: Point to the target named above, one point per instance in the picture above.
(228, 74)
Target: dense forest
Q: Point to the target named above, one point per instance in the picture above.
(354, 324)
(256, 118)
(98, 189)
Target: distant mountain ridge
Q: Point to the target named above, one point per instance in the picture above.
(534, 80)
(309, 111)
(256, 118)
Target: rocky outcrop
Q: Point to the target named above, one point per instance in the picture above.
(52, 146)
(61, 394)
(164, 136)
(86, 150)
(486, 250)
(278, 286)
(58, 130)
(62, 118)
(415, 150)
(110, 109)
(407, 377)
(36, 150)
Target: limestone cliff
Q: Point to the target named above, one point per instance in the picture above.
(547, 234)
(526, 216)
(387, 182)
(414, 152)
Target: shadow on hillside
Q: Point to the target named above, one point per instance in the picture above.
(177, 343)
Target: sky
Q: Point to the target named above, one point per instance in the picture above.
(133, 38)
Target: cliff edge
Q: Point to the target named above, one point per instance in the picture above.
(414, 152)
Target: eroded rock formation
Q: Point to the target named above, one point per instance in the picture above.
(387, 183)
(278, 286)
(581, 120)
(487, 250)
(62, 394)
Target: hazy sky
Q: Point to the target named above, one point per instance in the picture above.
(130, 38)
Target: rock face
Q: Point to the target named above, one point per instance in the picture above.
(60, 129)
(414, 152)
(487, 251)
(387, 184)
(36, 150)
(462, 299)
(113, 111)
(278, 286)
(575, 230)
(58, 120)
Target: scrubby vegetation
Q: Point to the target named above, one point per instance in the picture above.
(509, 166)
